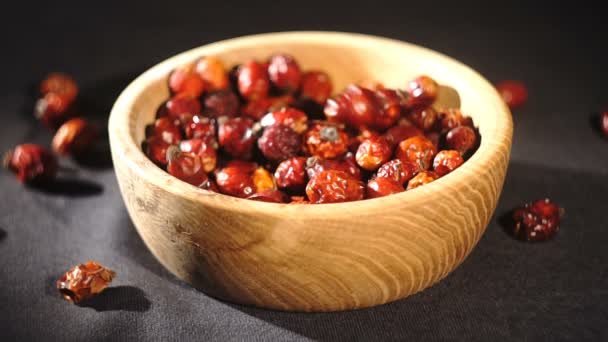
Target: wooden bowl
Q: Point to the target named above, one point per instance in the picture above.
(315, 257)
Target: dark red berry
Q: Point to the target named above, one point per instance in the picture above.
(74, 137)
(236, 137)
(200, 127)
(397, 171)
(326, 141)
(461, 138)
(271, 196)
(53, 109)
(291, 174)
(537, 221)
(221, 103)
(31, 163)
(253, 82)
(167, 128)
(202, 148)
(256, 109)
(390, 102)
(348, 164)
(449, 119)
(279, 142)
(60, 84)
(514, 93)
(212, 71)
(424, 118)
(156, 149)
(183, 104)
(422, 91)
(364, 109)
(316, 85)
(236, 178)
(186, 166)
(334, 186)
(284, 72)
(379, 187)
(185, 80)
(417, 150)
(398, 133)
(291, 117)
(421, 179)
(447, 161)
(373, 152)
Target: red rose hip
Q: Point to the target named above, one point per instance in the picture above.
(183, 104)
(31, 163)
(236, 178)
(167, 128)
(291, 117)
(291, 174)
(379, 187)
(284, 72)
(334, 186)
(461, 138)
(424, 177)
(514, 93)
(447, 161)
(74, 137)
(185, 80)
(424, 118)
(204, 149)
(221, 103)
(417, 150)
(156, 149)
(422, 91)
(200, 127)
(316, 85)
(279, 142)
(252, 80)
(186, 166)
(373, 152)
(397, 171)
(236, 137)
(326, 141)
(212, 71)
(537, 221)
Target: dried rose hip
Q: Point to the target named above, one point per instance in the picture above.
(186, 166)
(422, 91)
(334, 186)
(236, 178)
(417, 150)
(256, 109)
(183, 104)
(156, 149)
(348, 164)
(263, 180)
(373, 152)
(449, 119)
(284, 72)
(167, 128)
(60, 84)
(537, 221)
(31, 163)
(421, 179)
(74, 137)
(236, 137)
(221, 103)
(200, 127)
(364, 109)
(84, 281)
(379, 187)
(398, 133)
(514, 93)
(397, 171)
(326, 141)
(212, 71)
(424, 118)
(604, 123)
(204, 149)
(461, 138)
(52, 109)
(316, 85)
(447, 161)
(253, 82)
(185, 80)
(295, 119)
(337, 109)
(291, 174)
(272, 196)
(279, 142)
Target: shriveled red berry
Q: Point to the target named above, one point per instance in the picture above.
(84, 281)
(461, 138)
(271, 196)
(74, 137)
(291, 117)
(284, 72)
(326, 141)
(398, 133)
(422, 91)
(31, 163)
(155, 147)
(423, 118)
(185, 80)
(449, 119)
(379, 187)
(363, 135)
(263, 180)
(447, 161)
(397, 171)
(604, 123)
(236, 178)
(167, 128)
(390, 102)
(236, 137)
(60, 84)
(253, 82)
(256, 109)
(212, 71)
(348, 164)
(186, 166)
(202, 148)
(417, 150)
(316, 85)
(221, 103)
(514, 93)
(52, 109)
(200, 127)
(334, 186)
(421, 179)
(291, 174)
(183, 103)
(537, 221)
(364, 108)
(337, 109)
(373, 152)
(279, 142)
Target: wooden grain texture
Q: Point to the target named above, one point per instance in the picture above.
(315, 257)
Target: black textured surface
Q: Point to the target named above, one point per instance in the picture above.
(505, 290)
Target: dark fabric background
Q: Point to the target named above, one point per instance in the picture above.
(505, 290)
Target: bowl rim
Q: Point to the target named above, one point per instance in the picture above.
(124, 146)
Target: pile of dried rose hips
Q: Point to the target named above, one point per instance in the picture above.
(269, 131)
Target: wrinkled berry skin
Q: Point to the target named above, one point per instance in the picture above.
(337, 109)
(397, 171)
(334, 186)
(263, 180)
(422, 91)
(326, 141)
(461, 138)
(31, 163)
(167, 128)
(398, 133)
(449, 119)
(295, 119)
(537, 221)
(236, 178)
(284, 73)
(315, 165)
(357, 107)
(183, 104)
(84, 281)
(279, 142)
(417, 150)
(316, 85)
(424, 177)
(604, 123)
(185, 80)
(380, 187)
(290, 174)
(423, 118)
(212, 71)
(236, 137)
(252, 80)
(271, 196)
(187, 167)
(514, 93)
(390, 102)
(74, 137)
(203, 149)
(156, 149)
(221, 103)
(373, 152)
(447, 161)
(199, 127)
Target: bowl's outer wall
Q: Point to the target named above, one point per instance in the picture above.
(315, 257)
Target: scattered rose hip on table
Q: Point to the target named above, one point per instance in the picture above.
(537, 221)
(58, 93)
(514, 93)
(84, 281)
(31, 163)
(75, 136)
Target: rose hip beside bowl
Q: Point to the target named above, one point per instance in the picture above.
(253, 131)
